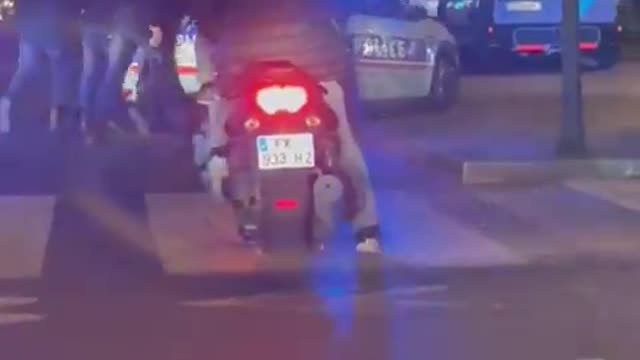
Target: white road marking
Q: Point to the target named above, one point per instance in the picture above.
(421, 304)
(12, 318)
(16, 301)
(419, 235)
(25, 224)
(192, 236)
(309, 301)
(624, 193)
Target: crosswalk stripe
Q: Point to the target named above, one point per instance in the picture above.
(192, 236)
(17, 318)
(399, 293)
(8, 315)
(420, 235)
(624, 193)
(310, 301)
(559, 220)
(9, 301)
(25, 223)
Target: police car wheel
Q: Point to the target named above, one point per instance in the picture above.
(446, 83)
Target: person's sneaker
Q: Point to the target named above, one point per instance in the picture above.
(369, 246)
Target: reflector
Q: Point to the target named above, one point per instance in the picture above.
(285, 204)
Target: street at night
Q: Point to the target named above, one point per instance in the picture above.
(116, 253)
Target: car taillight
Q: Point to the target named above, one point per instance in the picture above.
(275, 99)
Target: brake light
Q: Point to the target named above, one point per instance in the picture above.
(285, 204)
(530, 48)
(275, 99)
(588, 46)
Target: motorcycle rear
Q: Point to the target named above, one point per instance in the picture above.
(283, 148)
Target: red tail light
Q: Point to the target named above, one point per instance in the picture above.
(285, 204)
(530, 48)
(588, 46)
(275, 99)
(534, 48)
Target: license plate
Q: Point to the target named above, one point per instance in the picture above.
(375, 47)
(290, 151)
(524, 6)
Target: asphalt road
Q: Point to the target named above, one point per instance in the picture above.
(113, 253)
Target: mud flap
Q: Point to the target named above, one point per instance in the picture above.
(328, 193)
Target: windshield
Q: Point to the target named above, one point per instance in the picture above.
(550, 11)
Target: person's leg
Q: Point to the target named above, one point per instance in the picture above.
(65, 70)
(354, 167)
(208, 140)
(28, 60)
(93, 67)
(139, 121)
(109, 97)
(137, 98)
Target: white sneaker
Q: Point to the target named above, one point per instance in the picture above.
(369, 246)
(5, 120)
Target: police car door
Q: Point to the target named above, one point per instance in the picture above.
(393, 56)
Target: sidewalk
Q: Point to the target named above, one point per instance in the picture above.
(619, 81)
(506, 118)
(538, 221)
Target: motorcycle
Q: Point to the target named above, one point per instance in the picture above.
(283, 147)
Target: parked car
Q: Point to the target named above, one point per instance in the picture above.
(400, 54)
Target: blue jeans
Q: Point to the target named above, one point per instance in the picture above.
(62, 61)
(105, 62)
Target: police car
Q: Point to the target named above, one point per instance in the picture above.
(400, 53)
(403, 52)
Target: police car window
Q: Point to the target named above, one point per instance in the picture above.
(382, 8)
(458, 12)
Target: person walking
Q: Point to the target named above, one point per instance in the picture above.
(48, 36)
(112, 31)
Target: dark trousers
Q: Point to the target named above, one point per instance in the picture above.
(105, 62)
(60, 57)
